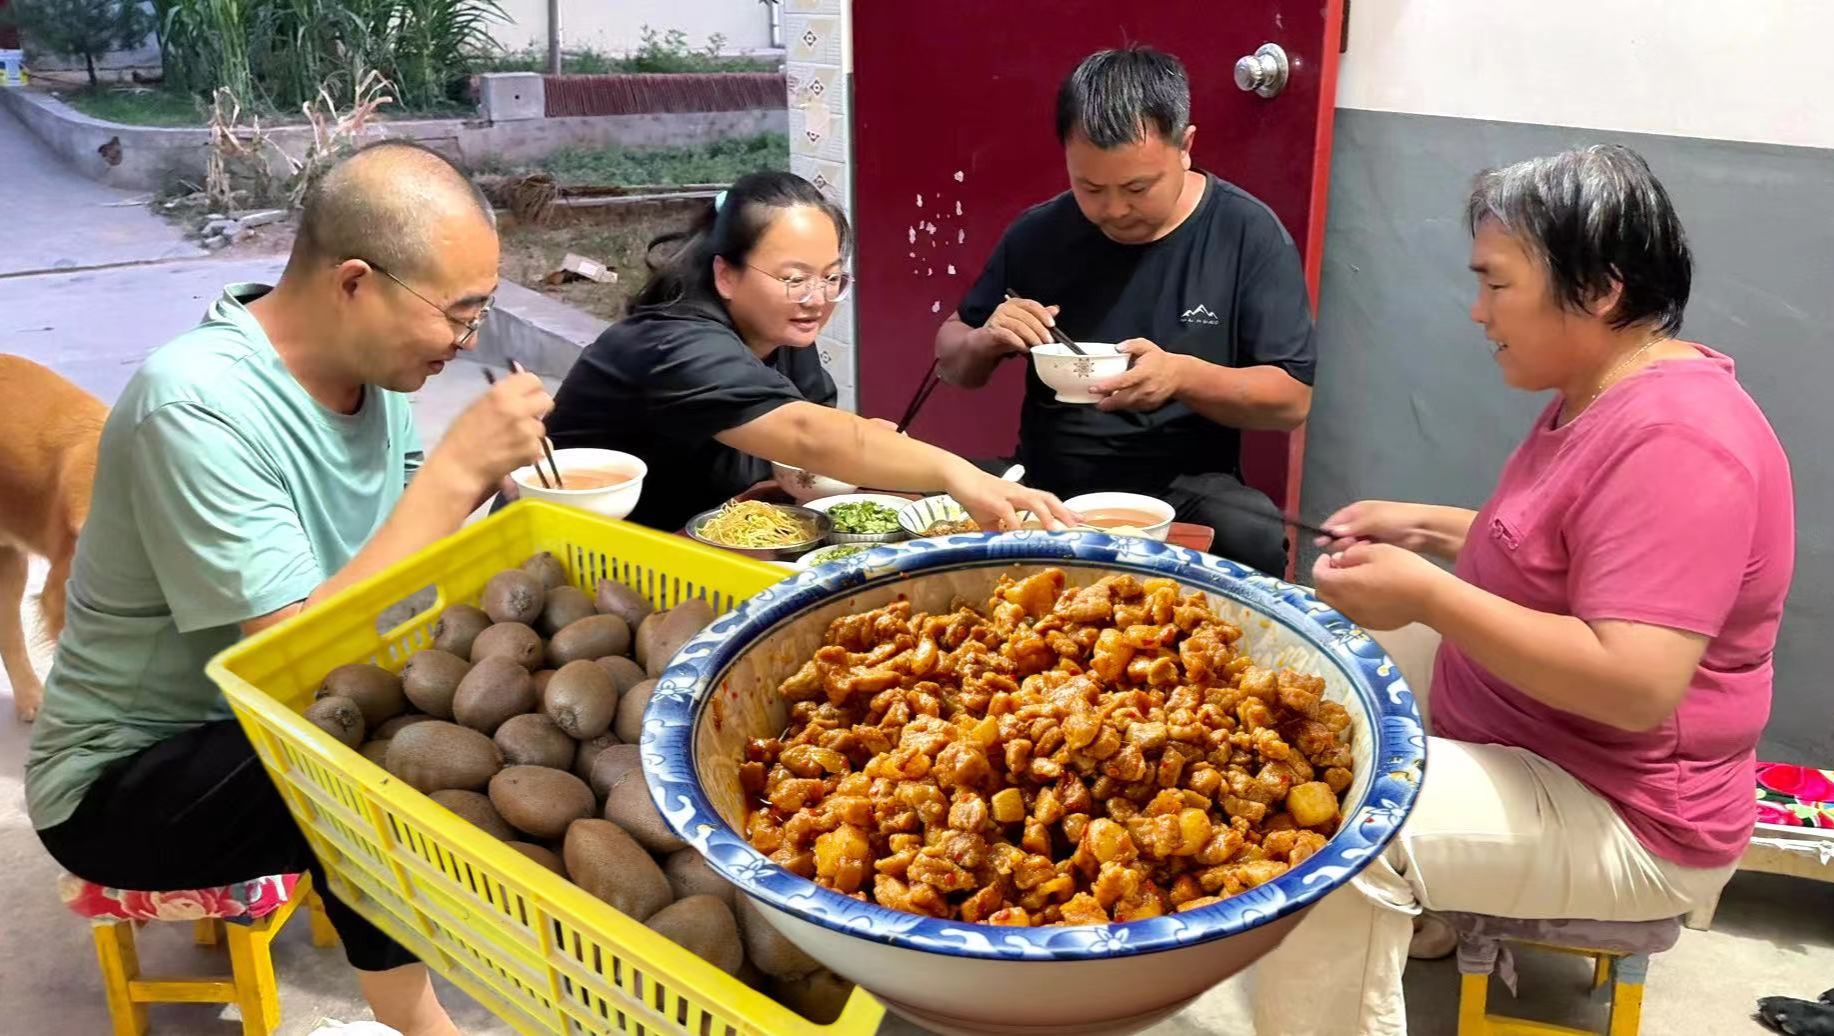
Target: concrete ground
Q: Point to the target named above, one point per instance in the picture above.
(1772, 936)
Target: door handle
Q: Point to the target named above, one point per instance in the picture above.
(1264, 72)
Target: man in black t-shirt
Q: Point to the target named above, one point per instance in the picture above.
(1195, 278)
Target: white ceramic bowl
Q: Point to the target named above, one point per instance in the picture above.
(804, 486)
(827, 504)
(612, 501)
(1070, 375)
(832, 552)
(956, 977)
(1161, 511)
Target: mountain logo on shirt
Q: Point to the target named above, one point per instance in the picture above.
(1199, 314)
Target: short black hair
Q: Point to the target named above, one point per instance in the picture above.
(1114, 95)
(1595, 217)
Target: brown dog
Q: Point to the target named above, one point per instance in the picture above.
(49, 430)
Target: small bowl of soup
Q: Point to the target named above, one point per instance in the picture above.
(607, 482)
(1070, 375)
(1124, 514)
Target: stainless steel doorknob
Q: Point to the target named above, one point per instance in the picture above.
(1265, 71)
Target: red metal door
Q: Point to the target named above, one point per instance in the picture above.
(953, 116)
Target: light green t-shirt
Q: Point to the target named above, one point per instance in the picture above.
(223, 492)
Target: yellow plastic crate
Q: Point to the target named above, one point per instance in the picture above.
(539, 952)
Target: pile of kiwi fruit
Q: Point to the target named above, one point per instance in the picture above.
(523, 719)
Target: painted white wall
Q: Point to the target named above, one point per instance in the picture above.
(616, 26)
(1746, 70)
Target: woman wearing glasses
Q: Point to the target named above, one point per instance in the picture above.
(713, 374)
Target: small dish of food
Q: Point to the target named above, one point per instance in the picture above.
(862, 517)
(773, 532)
(830, 553)
(605, 482)
(1070, 375)
(1124, 514)
(935, 516)
(804, 486)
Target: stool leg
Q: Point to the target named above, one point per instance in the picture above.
(120, 965)
(1601, 971)
(1473, 1002)
(323, 935)
(208, 931)
(1627, 995)
(251, 962)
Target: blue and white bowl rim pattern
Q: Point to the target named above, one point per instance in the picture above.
(1398, 756)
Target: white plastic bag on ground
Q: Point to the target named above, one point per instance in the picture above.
(333, 1027)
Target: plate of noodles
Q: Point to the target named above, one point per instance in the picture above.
(761, 530)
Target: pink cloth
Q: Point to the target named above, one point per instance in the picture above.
(1667, 502)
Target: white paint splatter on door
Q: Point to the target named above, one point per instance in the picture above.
(920, 201)
(936, 307)
(958, 176)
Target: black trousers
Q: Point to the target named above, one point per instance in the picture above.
(1247, 525)
(196, 811)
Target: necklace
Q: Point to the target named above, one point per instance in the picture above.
(1610, 377)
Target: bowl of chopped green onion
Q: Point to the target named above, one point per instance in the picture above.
(861, 517)
(832, 552)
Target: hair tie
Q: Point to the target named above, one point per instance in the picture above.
(719, 201)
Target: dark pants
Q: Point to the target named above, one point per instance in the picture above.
(1247, 525)
(197, 811)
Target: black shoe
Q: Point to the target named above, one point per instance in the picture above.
(1786, 1014)
(1827, 997)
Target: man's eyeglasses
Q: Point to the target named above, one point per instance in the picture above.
(471, 326)
(800, 289)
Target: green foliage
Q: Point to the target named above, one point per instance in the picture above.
(721, 161)
(85, 29)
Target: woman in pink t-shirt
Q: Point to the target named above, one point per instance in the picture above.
(1610, 618)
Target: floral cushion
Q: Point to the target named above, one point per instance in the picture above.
(242, 903)
(1795, 796)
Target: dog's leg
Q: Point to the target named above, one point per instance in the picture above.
(28, 693)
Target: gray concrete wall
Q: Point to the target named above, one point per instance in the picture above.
(149, 155)
(1409, 404)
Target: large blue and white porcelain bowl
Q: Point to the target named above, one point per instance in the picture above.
(968, 978)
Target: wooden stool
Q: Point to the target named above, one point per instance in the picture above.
(247, 916)
(1620, 951)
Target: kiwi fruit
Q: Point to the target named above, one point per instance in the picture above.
(393, 726)
(376, 751)
(581, 699)
(339, 717)
(624, 673)
(614, 598)
(690, 875)
(541, 678)
(610, 865)
(494, 690)
(540, 854)
(592, 637)
(457, 627)
(588, 752)
(629, 805)
(547, 569)
(767, 948)
(513, 596)
(511, 640)
(476, 808)
(820, 996)
(642, 645)
(539, 801)
(375, 690)
(437, 755)
(705, 927)
(749, 974)
(534, 740)
(629, 724)
(675, 628)
(431, 676)
(565, 606)
(613, 765)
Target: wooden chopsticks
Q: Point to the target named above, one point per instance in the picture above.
(547, 446)
(1057, 333)
(922, 396)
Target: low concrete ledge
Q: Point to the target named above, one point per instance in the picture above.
(543, 334)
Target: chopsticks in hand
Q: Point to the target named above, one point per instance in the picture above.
(547, 447)
(922, 396)
(1057, 333)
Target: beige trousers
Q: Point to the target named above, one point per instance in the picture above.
(1494, 830)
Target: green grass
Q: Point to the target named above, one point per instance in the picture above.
(722, 161)
(588, 61)
(141, 107)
